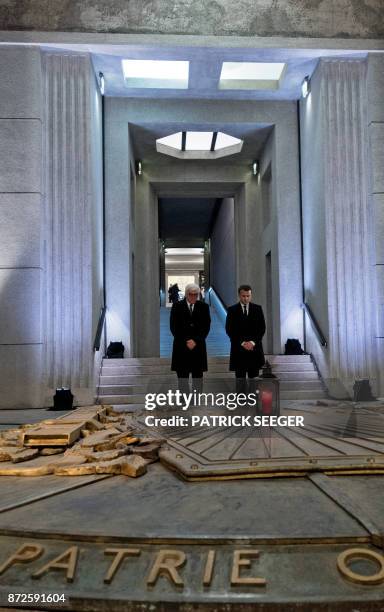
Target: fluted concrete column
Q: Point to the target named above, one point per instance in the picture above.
(348, 225)
(68, 224)
(376, 191)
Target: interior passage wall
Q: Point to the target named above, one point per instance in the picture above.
(223, 252)
(267, 261)
(119, 227)
(21, 215)
(313, 217)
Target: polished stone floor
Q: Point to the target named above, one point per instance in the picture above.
(303, 521)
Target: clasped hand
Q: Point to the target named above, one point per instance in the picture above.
(247, 345)
(191, 344)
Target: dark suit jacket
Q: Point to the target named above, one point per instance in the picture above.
(185, 326)
(241, 328)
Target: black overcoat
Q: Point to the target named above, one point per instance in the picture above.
(185, 326)
(241, 328)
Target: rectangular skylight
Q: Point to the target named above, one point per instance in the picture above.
(198, 141)
(156, 74)
(251, 75)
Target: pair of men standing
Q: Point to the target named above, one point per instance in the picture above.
(190, 324)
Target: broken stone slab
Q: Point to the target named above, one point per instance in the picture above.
(69, 460)
(117, 426)
(77, 451)
(150, 452)
(16, 454)
(93, 425)
(113, 419)
(36, 470)
(123, 438)
(47, 451)
(76, 470)
(88, 412)
(134, 466)
(99, 437)
(150, 440)
(6, 451)
(110, 467)
(24, 455)
(11, 437)
(129, 466)
(86, 432)
(108, 455)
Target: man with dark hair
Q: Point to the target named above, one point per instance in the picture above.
(245, 326)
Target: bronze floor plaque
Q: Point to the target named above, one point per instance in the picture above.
(332, 440)
(71, 575)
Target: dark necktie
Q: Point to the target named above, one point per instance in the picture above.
(191, 309)
(245, 310)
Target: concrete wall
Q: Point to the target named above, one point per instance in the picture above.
(21, 216)
(50, 226)
(268, 244)
(309, 18)
(313, 211)
(223, 264)
(375, 89)
(120, 222)
(338, 159)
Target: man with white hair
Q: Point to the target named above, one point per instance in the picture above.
(190, 323)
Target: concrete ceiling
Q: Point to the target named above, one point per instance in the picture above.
(205, 67)
(244, 18)
(144, 141)
(186, 220)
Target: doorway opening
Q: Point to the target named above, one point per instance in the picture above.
(196, 238)
(182, 267)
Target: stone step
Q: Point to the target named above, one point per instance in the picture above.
(125, 370)
(136, 400)
(167, 360)
(138, 379)
(209, 386)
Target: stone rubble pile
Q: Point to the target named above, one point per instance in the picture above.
(89, 440)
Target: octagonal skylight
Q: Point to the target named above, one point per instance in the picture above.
(199, 145)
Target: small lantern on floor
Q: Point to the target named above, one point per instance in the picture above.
(63, 399)
(269, 392)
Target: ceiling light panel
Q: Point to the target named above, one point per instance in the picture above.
(173, 140)
(251, 75)
(156, 74)
(224, 140)
(198, 141)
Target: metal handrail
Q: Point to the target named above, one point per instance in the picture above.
(99, 331)
(320, 336)
(211, 288)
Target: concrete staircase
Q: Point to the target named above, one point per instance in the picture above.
(126, 381)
